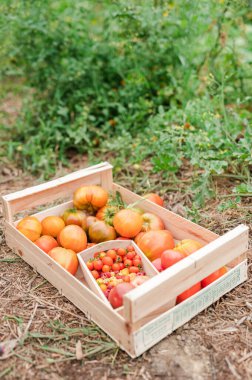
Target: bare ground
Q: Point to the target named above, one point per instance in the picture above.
(47, 328)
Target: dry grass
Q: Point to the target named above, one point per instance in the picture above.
(49, 338)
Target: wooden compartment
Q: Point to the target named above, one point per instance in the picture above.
(87, 254)
(146, 317)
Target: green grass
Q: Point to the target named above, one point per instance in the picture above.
(168, 82)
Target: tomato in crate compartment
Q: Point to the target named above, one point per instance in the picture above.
(113, 268)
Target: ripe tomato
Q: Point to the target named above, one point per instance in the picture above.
(107, 261)
(98, 265)
(127, 263)
(90, 265)
(90, 198)
(153, 243)
(138, 237)
(121, 252)
(126, 278)
(103, 287)
(111, 253)
(121, 266)
(118, 259)
(100, 231)
(157, 264)
(30, 227)
(73, 216)
(73, 237)
(105, 268)
(52, 225)
(116, 294)
(152, 222)
(137, 262)
(130, 248)
(102, 254)
(189, 292)
(128, 223)
(66, 258)
(107, 213)
(95, 274)
(131, 255)
(116, 267)
(155, 198)
(91, 220)
(213, 277)
(46, 243)
(170, 257)
(188, 246)
(133, 269)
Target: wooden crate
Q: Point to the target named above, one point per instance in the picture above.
(146, 317)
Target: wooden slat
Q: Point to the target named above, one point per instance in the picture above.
(58, 188)
(180, 227)
(82, 297)
(160, 289)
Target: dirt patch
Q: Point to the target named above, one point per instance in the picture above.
(214, 345)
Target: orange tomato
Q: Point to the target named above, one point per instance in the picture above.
(46, 243)
(90, 198)
(128, 223)
(52, 225)
(213, 277)
(73, 237)
(152, 222)
(66, 258)
(73, 216)
(154, 243)
(188, 246)
(111, 253)
(138, 237)
(155, 198)
(30, 227)
(189, 292)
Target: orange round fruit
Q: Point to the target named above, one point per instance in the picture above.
(73, 237)
(90, 198)
(30, 227)
(155, 198)
(66, 258)
(46, 243)
(128, 223)
(52, 225)
(188, 246)
(154, 243)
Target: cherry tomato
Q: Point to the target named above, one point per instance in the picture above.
(103, 287)
(96, 254)
(130, 248)
(116, 267)
(137, 257)
(127, 263)
(107, 261)
(95, 274)
(121, 252)
(90, 265)
(126, 278)
(102, 254)
(133, 269)
(98, 264)
(121, 266)
(105, 268)
(130, 255)
(118, 259)
(111, 253)
(137, 262)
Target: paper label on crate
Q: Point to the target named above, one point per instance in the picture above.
(153, 333)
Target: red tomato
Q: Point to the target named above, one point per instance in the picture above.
(131, 255)
(170, 257)
(107, 261)
(127, 263)
(111, 253)
(130, 248)
(95, 274)
(116, 267)
(189, 292)
(213, 277)
(121, 266)
(121, 252)
(46, 243)
(133, 269)
(105, 268)
(155, 198)
(137, 262)
(98, 265)
(118, 259)
(153, 243)
(66, 258)
(126, 278)
(128, 223)
(116, 294)
(97, 254)
(90, 265)
(157, 264)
